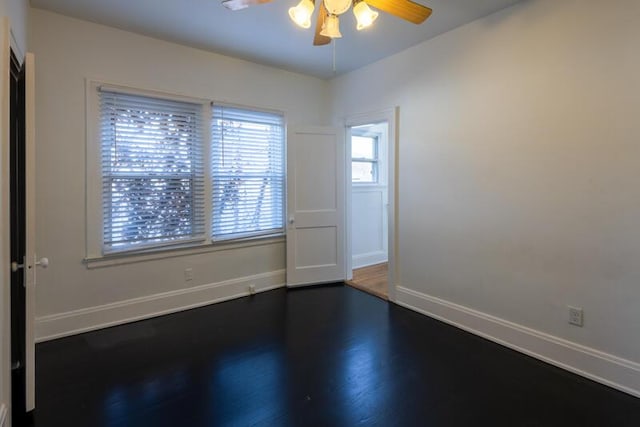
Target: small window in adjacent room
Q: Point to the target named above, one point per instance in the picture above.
(152, 171)
(364, 158)
(248, 172)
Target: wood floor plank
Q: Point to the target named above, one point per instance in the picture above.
(372, 279)
(323, 356)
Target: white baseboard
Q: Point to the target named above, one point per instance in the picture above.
(92, 318)
(370, 258)
(604, 368)
(3, 415)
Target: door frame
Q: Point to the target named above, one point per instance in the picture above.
(5, 249)
(389, 115)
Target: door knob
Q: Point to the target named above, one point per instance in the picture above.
(291, 220)
(42, 262)
(15, 266)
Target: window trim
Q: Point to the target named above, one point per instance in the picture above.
(94, 255)
(152, 254)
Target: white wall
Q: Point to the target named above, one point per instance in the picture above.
(16, 11)
(518, 178)
(72, 297)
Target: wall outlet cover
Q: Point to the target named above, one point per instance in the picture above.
(576, 316)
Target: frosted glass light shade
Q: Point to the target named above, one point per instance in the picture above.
(331, 27)
(301, 14)
(364, 15)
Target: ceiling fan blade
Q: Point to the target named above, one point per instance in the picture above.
(242, 4)
(405, 9)
(318, 39)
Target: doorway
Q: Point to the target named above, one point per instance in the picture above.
(371, 250)
(18, 238)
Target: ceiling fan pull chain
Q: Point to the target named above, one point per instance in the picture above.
(334, 56)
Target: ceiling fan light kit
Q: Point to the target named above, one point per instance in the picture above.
(328, 23)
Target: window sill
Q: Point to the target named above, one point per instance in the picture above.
(179, 251)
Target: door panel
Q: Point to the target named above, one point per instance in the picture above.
(310, 244)
(316, 152)
(315, 200)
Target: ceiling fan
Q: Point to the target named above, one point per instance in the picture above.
(328, 25)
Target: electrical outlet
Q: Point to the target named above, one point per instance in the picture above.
(188, 274)
(576, 316)
(252, 289)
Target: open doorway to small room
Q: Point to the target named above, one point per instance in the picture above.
(369, 205)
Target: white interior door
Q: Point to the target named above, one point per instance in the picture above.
(315, 205)
(30, 199)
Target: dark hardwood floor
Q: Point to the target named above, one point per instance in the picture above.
(324, 356)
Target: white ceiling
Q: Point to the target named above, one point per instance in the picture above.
(265, 34)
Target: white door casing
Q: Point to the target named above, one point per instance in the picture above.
(315, 206)
(30, 262)
(5, 244)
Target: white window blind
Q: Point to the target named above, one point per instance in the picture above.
(152, 171)
(247, 172)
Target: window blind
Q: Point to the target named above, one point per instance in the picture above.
(152, 171)
(247, 172)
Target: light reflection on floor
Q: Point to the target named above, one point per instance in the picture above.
(233, 398)
(121, 403)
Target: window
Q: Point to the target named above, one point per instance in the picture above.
(364, 158)
(166, 170)
(247, 172)
(152, 171)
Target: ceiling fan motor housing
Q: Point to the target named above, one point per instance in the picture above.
(337, 7)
